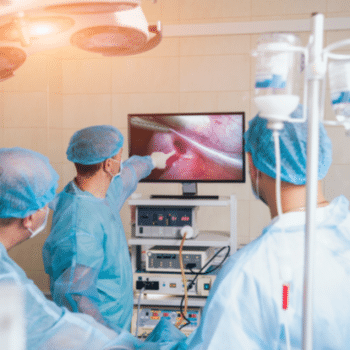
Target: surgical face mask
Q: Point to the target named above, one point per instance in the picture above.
(120, 169)
(42, 226)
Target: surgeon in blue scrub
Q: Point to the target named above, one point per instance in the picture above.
(256, 300)
(86, 253)
(28, 184)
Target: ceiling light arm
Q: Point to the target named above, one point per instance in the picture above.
(23, 30)
(155, 40)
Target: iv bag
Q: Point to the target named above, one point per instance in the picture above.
(339, 83)
(278, 73)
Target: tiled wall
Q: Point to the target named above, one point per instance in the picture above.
(58, 92)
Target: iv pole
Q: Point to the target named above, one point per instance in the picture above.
(314, 89)
(315, 73)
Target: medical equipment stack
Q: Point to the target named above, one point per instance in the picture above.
(158, 227)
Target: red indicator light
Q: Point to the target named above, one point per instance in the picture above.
(160, 218)
(285, 295)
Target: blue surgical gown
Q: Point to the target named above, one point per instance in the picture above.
(86, 253)
(49, 327)
(244, 308)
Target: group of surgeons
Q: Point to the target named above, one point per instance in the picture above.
(257, 298)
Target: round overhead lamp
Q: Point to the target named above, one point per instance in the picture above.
(11, 58)
(130, 35)
(79, 7)
(24, 28)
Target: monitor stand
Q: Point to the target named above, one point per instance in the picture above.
(189, 191)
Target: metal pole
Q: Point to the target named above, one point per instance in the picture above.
(315, 71)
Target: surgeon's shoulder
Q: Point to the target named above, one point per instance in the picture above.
(241, 261)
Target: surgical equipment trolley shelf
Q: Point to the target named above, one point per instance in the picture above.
(165, 286)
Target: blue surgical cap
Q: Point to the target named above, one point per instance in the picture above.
(27, 182)
(94, 144)
(293, 145)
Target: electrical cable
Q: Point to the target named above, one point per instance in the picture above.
(192, 282)
(138, 310)
(184, 282)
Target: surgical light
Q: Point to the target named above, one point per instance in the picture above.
(108, 27)
(93, 6)
(23, 28)
(129, 35)
(11, 58)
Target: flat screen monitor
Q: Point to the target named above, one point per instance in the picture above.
(207, 147)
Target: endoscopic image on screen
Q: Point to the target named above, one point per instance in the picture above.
(207, 147)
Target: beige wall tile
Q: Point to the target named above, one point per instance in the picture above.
(55, 110)
(149, 188)
(167, 47)
(86, 76)
(213, 219)
(2, 141)
(151, 10)
(337, 181)
(27, 109)
(56, 150)
(215, 45)
(35, 139)
(259, 217)
(71, 53)
(285, 7)
(170, 11)
(2, 109)
(124, 104)
(338, 6)
(198, 102)
(59, 169)
(240, 190)
(146, 74)
(341, 145)
(66, 136)
(234, 101)
(68, 173)
(279, 17)
(214, 73)
(243, 236)
(80, 111)
(30, 77)
(164, 11)
(204, 9)
(335, 36)
(54, 67)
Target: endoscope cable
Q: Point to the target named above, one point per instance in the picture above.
(192, 282)
(138, 310)
(184, 282)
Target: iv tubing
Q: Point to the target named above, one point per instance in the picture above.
(276, 136)
(312, 177)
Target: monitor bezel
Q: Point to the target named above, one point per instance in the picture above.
(145, 180)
